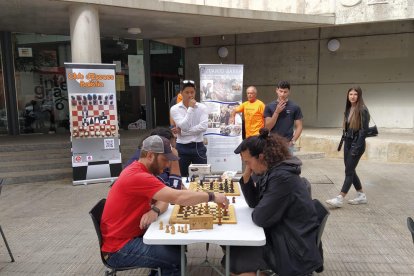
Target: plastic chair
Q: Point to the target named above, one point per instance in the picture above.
(96, 215)
(410, 224)
(1, 229)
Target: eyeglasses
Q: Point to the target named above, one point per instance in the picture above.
(188, 81)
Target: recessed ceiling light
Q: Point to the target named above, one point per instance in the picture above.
(134, 30)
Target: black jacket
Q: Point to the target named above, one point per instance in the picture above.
(283, 207)
(357, 136)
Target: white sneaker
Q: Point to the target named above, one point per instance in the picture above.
(336, 201)
(360, 199)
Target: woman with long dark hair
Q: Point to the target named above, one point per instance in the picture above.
(282, 206)
(355, 125)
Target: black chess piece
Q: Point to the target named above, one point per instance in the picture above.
(226, 187)
(94, 96)
(89, 97)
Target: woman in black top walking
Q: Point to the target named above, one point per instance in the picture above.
(356, 121)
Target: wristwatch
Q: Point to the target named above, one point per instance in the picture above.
(156, 210)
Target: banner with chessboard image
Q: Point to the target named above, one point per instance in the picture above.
(221, 91)
(93, 118)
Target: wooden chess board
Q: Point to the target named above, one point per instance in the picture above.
(217, 186)
(181, 214)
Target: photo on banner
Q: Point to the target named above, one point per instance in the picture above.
(221, 91)
(93, 117)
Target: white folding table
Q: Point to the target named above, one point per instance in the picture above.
(244, 233)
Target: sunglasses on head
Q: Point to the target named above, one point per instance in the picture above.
(188, 81)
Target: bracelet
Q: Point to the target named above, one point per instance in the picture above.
(156, 210)
(211, 197)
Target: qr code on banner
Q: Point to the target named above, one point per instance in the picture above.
(109, 143)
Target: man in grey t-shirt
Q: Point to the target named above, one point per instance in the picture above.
(283, 116)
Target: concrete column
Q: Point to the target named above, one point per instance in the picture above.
(85, 34)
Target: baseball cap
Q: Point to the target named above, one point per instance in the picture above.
(159, 144)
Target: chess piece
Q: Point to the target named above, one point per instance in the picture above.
(185, 229)
(233, 200)
(167, 229)
(172, 229)
(161, 225)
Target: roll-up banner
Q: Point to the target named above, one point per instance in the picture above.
(221, 90)
(93, 116)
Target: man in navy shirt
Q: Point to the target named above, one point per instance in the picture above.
(283, 116)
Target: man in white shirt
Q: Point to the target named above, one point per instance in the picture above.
(191, 119)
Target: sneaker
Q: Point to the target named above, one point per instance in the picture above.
(360, 199)
(336, 201)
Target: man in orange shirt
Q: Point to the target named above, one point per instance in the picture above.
(253, 110)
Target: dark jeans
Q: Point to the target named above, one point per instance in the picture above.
(246, 259)
(192, 153)
(351, 162)
(137, 253)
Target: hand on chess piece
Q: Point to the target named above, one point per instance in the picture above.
(220, 198)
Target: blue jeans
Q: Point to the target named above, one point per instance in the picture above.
(137, 253)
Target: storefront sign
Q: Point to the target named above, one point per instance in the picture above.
(25, 52)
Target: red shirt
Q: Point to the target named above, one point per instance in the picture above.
(128, 200)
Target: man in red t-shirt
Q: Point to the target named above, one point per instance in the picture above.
(136, 201)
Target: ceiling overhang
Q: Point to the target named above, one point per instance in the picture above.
(156, 19)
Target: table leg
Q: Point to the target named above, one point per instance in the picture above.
(227, 260)
(183, 266)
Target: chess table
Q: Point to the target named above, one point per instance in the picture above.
(243, 233)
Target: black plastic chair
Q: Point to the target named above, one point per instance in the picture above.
(96, 215)
(1, 229)
(410, 224)
(322, 212)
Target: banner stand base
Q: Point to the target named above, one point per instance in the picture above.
(109, 180)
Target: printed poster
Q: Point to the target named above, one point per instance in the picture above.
(221, 91)
(93, 117)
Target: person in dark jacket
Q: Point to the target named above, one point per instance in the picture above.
(355, 124)
(282, 206)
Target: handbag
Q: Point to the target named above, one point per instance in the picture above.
(372, 131)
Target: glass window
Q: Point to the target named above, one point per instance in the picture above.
(40, 82)
(3, 113)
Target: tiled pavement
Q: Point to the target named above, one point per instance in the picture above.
(50, 232)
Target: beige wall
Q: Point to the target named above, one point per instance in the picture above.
(378, 57)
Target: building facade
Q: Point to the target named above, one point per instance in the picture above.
(321, 47)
